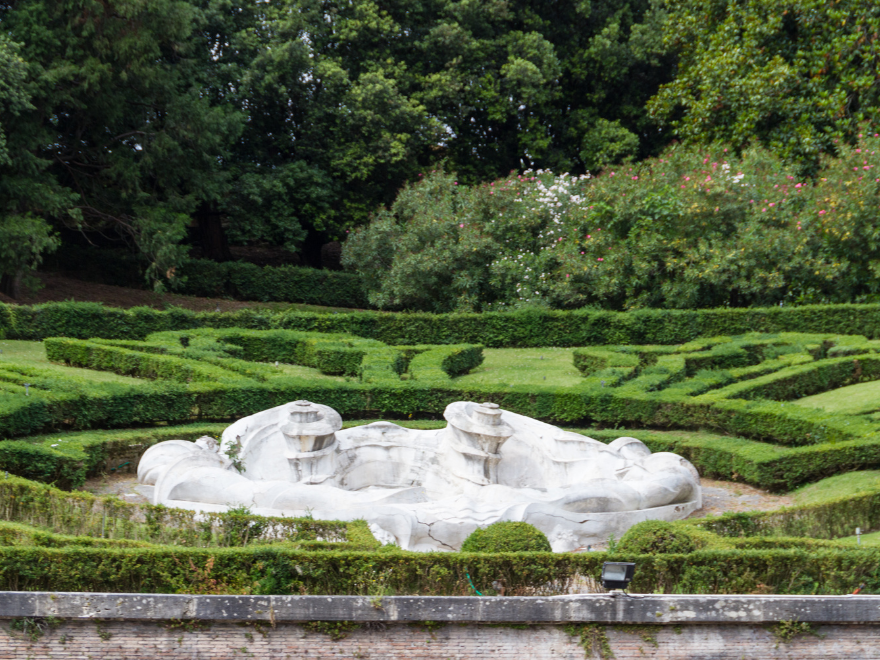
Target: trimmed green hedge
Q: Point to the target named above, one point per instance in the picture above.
(84, 514)
(233, 279)
(209, 377)
(67, 460)
(506, 536)
(245, 281)
(268, 570)
(827, 520)
(497, 329)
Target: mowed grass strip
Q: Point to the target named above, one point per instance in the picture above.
(851, 400)
(850, 484)
(512, 367)
(32, 354)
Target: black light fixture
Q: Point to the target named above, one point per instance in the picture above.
(617, 574)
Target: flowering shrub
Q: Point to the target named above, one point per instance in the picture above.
(688, 229)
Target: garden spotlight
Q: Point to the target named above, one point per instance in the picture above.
(617, 574)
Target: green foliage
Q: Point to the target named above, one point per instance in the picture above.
(23, 241)
(532, 327)
(652, 537)
(244, 281)
(797, 76)
(85, 515)
(277, 570)
(593, 638)
(506, 536)
(740, 386)
(627, 239)
(336, 630)
(119, 136)
(34, 628)
(785, 631)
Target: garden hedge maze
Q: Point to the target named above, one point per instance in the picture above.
(765, 408)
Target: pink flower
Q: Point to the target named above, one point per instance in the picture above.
(568, 275)
(560, 240)
(687, 178)
(763, 209)
(589, 236)
(455, 183)
(635, 178)
(772, 203)
(462, 225)
(600, 259)
(581, 252)
(491, 192)
(822, 212)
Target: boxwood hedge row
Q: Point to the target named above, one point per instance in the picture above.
(232, 279)
(789, 444)
(271, 570)
(83, 514)
(529, 328)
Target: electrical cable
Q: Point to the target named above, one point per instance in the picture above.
(468, 575)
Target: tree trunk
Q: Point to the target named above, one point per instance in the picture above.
(11, 285)
(211, 234)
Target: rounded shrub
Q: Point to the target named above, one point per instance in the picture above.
(652, 537)
(506, 536)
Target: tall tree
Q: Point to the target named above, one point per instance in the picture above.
(798, 76)
(347, 101)
(119, 136)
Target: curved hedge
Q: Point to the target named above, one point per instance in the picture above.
(714, 383)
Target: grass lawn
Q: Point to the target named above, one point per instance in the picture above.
(851, 400)
(840, 485)
(872, 539)
(31, 353)
(508, 367)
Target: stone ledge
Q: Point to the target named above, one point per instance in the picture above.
(599, 608)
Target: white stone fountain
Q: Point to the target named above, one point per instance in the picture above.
(426, 490)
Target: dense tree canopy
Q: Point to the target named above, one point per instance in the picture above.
(798, 75)
(280, 121)
(293, 122)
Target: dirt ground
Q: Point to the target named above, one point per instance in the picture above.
(728, 496)
(58, 287)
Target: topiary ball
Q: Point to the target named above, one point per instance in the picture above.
(652, 537)
(507, 537)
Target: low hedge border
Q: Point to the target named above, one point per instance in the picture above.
(83, 514)
(239, 280)
(270, 570)
(832, 519)
(530, 328)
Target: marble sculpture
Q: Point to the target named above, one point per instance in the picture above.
(426, 490)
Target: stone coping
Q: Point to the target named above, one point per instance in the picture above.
(601, 608)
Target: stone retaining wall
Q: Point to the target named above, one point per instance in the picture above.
(149, 627)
